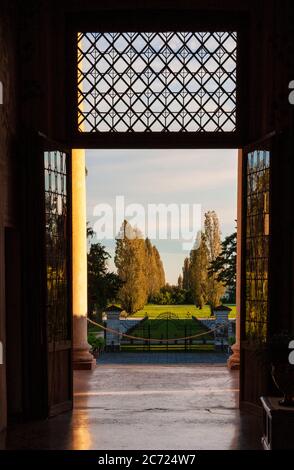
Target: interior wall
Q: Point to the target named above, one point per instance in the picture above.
(8, 165)
(42, 88)
(282, 305)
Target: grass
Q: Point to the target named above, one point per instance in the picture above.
(176, 327)
(169, 329)
(183, 311)
(172, 329)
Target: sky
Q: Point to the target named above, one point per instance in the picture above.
(203, 179)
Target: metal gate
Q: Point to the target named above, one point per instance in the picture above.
(168, 332)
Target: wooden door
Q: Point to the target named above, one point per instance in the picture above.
(256, 272)
(57, 209)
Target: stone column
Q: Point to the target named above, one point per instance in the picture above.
(82, 358)
(234, 359)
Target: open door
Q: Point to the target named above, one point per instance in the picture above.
(57, 208)
(46, 282)
(256, 272)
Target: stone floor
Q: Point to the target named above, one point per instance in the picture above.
(146, 407)
(163, 358)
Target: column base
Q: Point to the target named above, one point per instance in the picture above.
(84, 365)
(82, 358)
(234, 360)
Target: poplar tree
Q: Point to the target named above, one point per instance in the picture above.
(186, 270)
(180, 282)
(160, 274)
(198, 272)
(151, 269)
(130, 258)
(215, 289)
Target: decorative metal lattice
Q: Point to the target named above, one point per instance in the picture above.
(257, 241)
(157, 82)
(56, 244)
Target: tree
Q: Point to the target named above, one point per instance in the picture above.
(224, 265)
(130, 258)
(186, 271)
(198, 265)
(151, 269)
(215, 288)
(180, 282)
(212, 234)
(103, 286)
(169, 295)
(90, 231)
(159, 268)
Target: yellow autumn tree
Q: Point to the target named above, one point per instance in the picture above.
(212, 233)
(130, 259)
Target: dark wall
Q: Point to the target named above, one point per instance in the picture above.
(33, 66)
(8, 163)
(45, 82)
(271, 70)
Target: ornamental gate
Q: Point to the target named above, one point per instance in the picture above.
(168, 332)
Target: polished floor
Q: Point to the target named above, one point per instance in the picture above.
(163, 357)
(120, 407)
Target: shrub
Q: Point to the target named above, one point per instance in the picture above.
(96, 342)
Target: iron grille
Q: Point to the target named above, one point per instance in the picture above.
(257, 241)
(157, 82)
(153, 334)
(56, 244)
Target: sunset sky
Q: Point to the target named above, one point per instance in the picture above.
(205, 177)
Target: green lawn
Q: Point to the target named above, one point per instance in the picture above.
(171, 329)
(183, 311)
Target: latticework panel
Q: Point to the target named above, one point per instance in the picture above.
(56, 244)
(257, 241)
(157, 82)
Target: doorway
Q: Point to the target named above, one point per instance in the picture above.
(168, 199)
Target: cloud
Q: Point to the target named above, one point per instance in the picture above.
(206, 177)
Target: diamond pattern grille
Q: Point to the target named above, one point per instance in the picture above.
(257, 243)
(157, 82)
(56, 203)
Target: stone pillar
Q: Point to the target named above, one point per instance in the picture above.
(82, 358)
(221, 334)
(234, 359)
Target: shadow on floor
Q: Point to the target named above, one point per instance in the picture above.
(135, 407)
